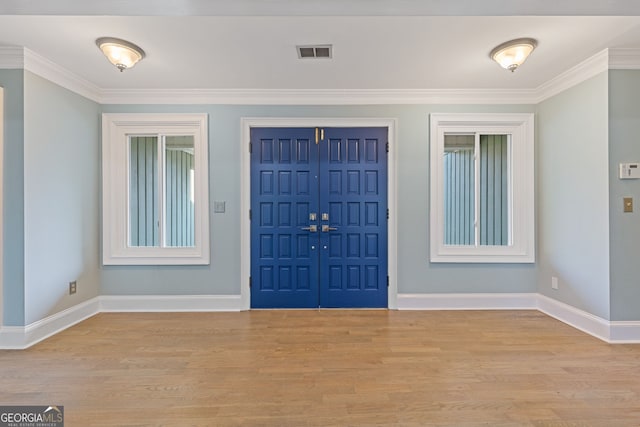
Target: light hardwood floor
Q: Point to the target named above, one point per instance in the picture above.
(327, 368)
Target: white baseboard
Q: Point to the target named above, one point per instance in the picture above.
(624, 332)
(613, 332)
(13, 338)
(467, 301)
(170, 303)
(579, 319)
(616, 332)
(21, 337)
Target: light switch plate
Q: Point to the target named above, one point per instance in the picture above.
(627, 204)
(219, 207)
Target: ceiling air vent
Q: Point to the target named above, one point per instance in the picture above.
(315, 51)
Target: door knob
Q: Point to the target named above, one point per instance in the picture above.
(326, 228)
(312, 228)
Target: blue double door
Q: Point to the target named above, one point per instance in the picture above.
(318, 217)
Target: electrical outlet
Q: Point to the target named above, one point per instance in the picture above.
(554, 282)
(73, 287)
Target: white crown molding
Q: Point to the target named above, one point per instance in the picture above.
(19, 57)
(624, 59)
(588, 68)
(51, 71)
(11, 57)
(317, 96)
(608, 59)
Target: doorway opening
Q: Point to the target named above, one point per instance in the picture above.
(322, 231)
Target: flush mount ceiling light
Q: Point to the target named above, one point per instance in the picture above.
(512, 54)
(121, 53)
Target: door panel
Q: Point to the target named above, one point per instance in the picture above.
(284, 266)
(353, 269)
(342, 181)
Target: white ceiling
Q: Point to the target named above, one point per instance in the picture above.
(378, 44)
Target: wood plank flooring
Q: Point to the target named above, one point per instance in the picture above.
(327, 368)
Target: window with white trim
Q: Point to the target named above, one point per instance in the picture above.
(482, 188)
(155, 189)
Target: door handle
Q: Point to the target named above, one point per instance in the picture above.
(326, 228)
(312, 228)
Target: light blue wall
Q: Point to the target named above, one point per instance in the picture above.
(624, 146)
(61, 191)
(13, 204)
(416, 273)
(52, 205)
(52, 186)
(573, 196)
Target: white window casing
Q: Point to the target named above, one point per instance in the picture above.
(521, 211)
(116, 131)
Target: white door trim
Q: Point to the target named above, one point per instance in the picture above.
(247, 123)
(1, 207)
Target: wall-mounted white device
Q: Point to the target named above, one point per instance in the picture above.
(629, 170)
